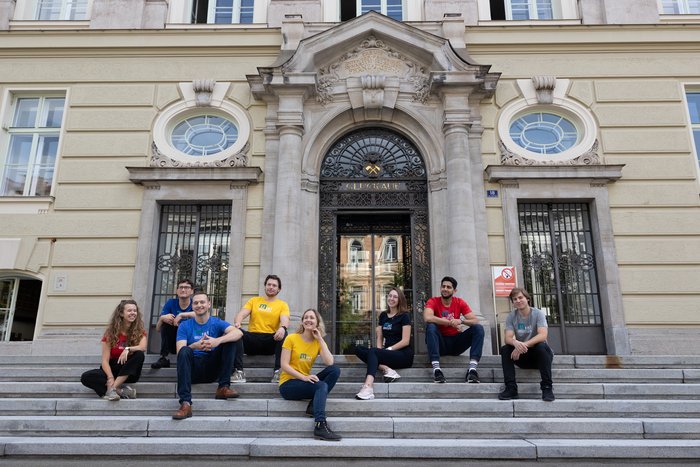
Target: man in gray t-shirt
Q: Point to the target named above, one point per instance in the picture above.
(526, 346)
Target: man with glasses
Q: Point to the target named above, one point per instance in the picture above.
(174, 311)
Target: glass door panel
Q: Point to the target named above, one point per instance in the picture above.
(368, 266)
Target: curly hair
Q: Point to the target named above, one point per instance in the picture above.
(116, 326)
(319, 323)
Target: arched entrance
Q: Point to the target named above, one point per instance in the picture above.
(373, 233)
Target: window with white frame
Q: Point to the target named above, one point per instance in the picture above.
(29, 157)
(693, 99)
(352, 8)
(222, 11)
(520, 10)
(61, 10)
(680, 7)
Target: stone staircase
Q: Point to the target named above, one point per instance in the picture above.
(608, 409)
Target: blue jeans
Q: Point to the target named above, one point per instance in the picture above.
(296, 389)
(193, 369)
(472, 338)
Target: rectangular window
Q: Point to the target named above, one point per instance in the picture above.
(351, 8)
(61, 10)
(30, 157)
(693, 99)
(223, 11)
(521, 10)
(680, 7)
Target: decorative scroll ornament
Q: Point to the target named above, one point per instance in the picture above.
(590, 157)
(158, 159)
(203, 89)
(544, 88)
(372, 57)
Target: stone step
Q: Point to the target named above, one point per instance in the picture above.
(269, 450)
(401, 390)
(420, 361)
(349, 374)
(424, 408)
(360, 427)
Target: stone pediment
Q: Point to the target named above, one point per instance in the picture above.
(372, 61)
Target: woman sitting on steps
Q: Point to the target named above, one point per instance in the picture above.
(123, 347)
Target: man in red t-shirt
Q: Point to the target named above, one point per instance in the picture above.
(443, 317)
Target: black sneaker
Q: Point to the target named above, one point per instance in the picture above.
(547, 394)
(324, 433)
(438, 376)
(472, 376)
(162, 362)
(310, 409)
(510, 392)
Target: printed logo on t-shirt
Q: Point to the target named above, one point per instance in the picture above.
(303, 356)
(387, 326)
(521, 327)
(263, 307)
(445, 313)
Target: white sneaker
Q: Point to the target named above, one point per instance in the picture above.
(111, 395)
(365, 394)
(238, 377)
(275, 377)
(127, 392)
(390, 375)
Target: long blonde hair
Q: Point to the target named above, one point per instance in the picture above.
(134, 332)
(319, 323)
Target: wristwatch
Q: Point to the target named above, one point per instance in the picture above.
(126, 348)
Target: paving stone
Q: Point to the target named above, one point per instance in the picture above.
(124, 446)
(162, 407)
(434, 449)
(645, 449)
(607, 408)
(401, 407)
(650, 391)
(72, 426)
(26, 406)
(300, 427)
(672, 428)
(516, 427)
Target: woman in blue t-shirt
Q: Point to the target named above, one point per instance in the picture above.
(393, 348)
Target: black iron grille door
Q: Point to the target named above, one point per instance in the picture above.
(193, 243)
(559, 269)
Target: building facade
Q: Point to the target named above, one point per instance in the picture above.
(349, 147)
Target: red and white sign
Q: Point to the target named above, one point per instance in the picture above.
(503, 280)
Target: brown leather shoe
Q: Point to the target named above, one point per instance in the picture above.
(185, 411)
(225, 392)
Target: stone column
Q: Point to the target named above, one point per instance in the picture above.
(460, 219)
(272, 143)
(287, 244)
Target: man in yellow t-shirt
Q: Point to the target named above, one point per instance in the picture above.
(267, 328)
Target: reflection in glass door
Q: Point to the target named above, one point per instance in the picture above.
(368, 266)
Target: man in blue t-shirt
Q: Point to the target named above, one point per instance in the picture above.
(174, 312)
(205, 352)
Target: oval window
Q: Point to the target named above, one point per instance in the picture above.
(544, 133)
(204, 135)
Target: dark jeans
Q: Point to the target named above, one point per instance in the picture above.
(97, 379)
(168, 337)
(373, 357)
(194, 369)
(472, 338)
(296, 389)
(258, 343)
(540, 356)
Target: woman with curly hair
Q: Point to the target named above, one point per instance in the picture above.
(123, 347)
(299, 353)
